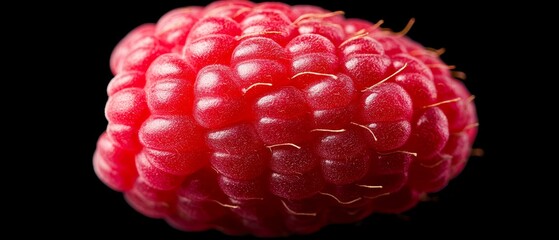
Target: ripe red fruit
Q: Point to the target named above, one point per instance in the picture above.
(269, 119)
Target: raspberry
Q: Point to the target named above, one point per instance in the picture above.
(269, 119)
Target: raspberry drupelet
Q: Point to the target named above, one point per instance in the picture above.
(270, 120)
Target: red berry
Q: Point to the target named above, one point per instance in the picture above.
(269, 119)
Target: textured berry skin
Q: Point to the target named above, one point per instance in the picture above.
(271, 120)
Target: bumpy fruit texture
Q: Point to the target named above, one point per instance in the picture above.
(269, 119)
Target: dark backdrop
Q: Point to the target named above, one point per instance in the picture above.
(85, 35)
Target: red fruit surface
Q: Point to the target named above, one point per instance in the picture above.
(270, 120)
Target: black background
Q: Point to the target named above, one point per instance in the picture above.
(477, 202)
